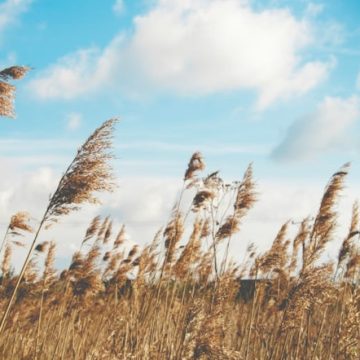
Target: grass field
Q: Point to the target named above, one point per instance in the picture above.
(181, 296)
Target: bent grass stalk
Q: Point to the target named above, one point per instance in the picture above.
(86, 174)
(197, 316)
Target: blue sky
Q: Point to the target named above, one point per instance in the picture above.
(272, 82)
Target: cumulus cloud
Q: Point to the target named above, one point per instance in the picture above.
(195, 48)
(73, 121)
(10, 10)
(83, 72)
(327, 127)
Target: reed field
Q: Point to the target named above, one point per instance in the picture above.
(183, 295)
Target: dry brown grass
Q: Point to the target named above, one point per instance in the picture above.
(170, 299)
(177, 307)
(7, 90)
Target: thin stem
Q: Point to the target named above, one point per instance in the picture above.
(250, 322)
(319, 334)
(4, 239)
(299, 337)
(214, 241)
(39, 322)
(21, 275)
(166, 256)
(27, 259)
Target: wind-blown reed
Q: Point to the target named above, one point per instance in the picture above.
(169, 299)
(88, 174)
(7, 91)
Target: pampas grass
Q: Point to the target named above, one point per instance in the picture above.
(169, 299)
(7, 91)
(88, 174)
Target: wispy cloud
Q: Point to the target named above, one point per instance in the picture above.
(21, 145)
(119, 7)
(328, 127)
(314, 9)
(31, 153)
(73, 121)
(195, 48)
(31, 161)
(33, 145)
(220, 148)
(10, 10)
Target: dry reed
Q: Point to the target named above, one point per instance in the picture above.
(168, 300)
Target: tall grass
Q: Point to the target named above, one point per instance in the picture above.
(181, 296)
(7, 90)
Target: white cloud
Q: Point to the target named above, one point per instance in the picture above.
(144, 204)
(195, 48)
(143, 201)
(10, 10)
(322, 130)
(29, 190)
(73, 121)
(334, 35)
(25, 190)
(314, 9)
(119, 7)
(76, 74)
(358, 82)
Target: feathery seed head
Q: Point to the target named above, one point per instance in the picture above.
(14, 72)
(40, 248)
(202, 198)
(108, 233)
(120, 238)
(325, 221)
(173, 233)
(49, 270)
(7, 91)
(196, 164)
(92, 229)
(347, 244)
(19, 221)
(6, 262)
(89, 173)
